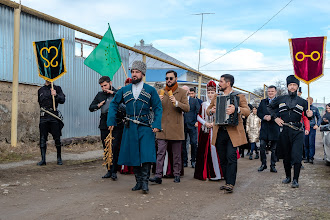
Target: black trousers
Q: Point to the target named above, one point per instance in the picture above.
(193, 142)
(117, 133)
(50, 127)
(263, 157)
(227, 155)
(291, 144)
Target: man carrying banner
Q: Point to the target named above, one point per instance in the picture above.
(138, 143)
(290, 109)
(50, 58)
(50, 119)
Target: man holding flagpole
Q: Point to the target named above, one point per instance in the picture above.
(290, 109)
(105, 59)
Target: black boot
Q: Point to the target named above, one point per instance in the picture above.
(138, 179)
(43, 156)
(156, 180)
(59, 158)
(107, 175)
(257, 155)
(296, 171)
(250, 157)
(145, 171)
(287, 180)
(113, 172)
(295, 184)
(262, 168)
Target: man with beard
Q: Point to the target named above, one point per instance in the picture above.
(138, 142)
(228, 138)
(172, 123)
(269, 131)
(102, 101)
(290, 108)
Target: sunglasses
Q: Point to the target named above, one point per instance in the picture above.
(169, 78)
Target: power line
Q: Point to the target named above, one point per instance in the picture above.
(251, 70)
(250, 35)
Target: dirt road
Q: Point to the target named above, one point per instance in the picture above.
(76, 191)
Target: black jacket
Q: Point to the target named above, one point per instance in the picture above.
(103, 96)
(269, 130)
(45, 98)
(190, 118)
(290, 108)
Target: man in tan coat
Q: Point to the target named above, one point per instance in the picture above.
(227, 138)
(174, 103)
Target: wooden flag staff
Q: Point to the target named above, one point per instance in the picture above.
(124, 69)
(53, 97)
(309, 105)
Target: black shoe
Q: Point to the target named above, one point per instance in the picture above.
(273, 170)
(250, 157)
(107, 175)
(41, 163)
(138, 186)
(311, 161)
(59, 161)
(145, 189)
(262, 168)
(193, 164)
(156, 180)
(307, 161)
(287, 180)
(295, 184)
(242, 155)
(185, 164)
(176, 179)
(257, 156)
(114, 176)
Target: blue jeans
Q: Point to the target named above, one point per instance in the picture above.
(310, 144)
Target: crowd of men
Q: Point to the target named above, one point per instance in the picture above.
(151, 128)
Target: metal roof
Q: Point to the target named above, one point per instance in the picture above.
(152, 63)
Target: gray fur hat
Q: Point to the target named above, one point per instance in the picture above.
(139, 65)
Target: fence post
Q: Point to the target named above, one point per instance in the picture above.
(14, 102)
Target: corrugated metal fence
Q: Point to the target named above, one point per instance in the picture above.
(80, 83)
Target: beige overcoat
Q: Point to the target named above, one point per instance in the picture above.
(172, 118)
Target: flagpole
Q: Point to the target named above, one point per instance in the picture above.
(53, 97)
(124, 69)
(309, 106)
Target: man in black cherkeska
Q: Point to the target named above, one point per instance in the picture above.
(290, 108)
(102, 101)
(50, 120)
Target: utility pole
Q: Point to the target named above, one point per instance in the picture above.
(199, 53)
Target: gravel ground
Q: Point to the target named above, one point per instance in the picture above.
(76, 190)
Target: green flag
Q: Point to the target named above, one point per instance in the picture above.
(105, 58)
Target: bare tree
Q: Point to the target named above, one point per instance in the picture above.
(280, 87)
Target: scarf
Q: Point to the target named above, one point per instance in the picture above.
(173, 88)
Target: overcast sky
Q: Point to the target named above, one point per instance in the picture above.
(170, 26)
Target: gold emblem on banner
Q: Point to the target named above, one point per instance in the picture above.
(51, 62)
(311, 56)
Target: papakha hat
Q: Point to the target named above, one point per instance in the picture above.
(139, 65)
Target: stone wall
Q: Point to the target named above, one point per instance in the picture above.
(28, 112)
